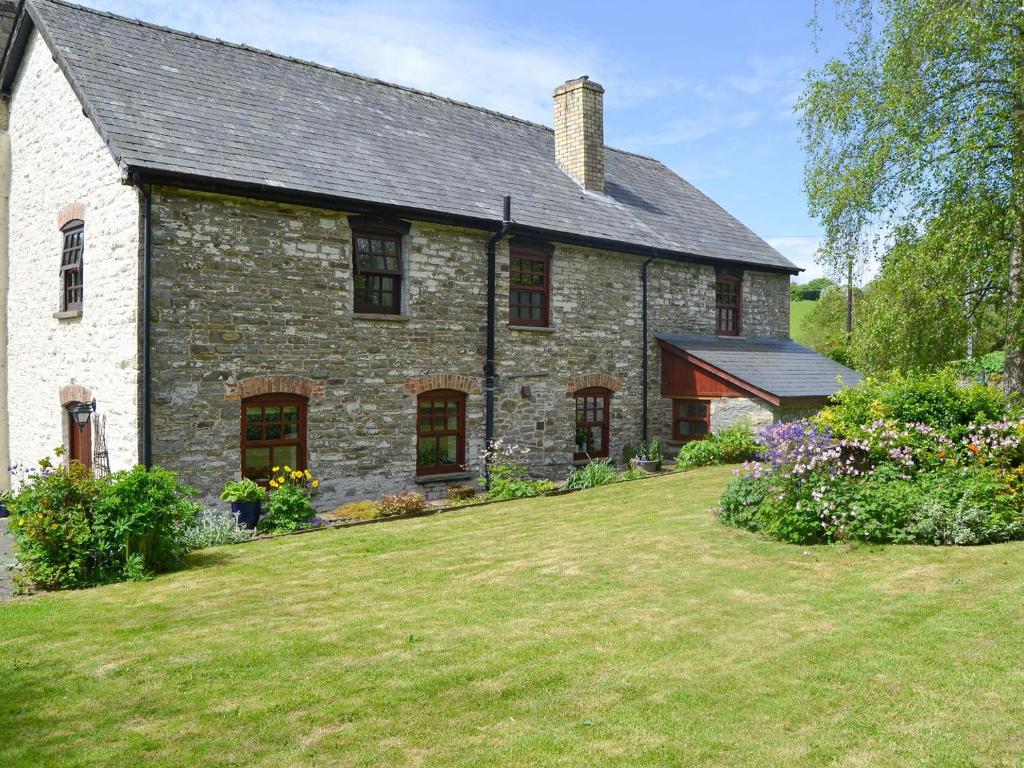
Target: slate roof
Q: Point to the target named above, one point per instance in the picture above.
(175, 103)
(778, 366)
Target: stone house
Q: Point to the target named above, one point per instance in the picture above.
(230, 260)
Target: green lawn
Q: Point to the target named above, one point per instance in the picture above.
(798, 311)
(621, 626)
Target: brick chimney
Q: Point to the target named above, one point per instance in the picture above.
(579, 131)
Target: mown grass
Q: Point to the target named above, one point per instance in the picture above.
(798, 312)
(621, 626)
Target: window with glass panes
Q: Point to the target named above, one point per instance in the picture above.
(440, 432)
(529, 287)
(727, 304)
(377, 272)
(691, 419)
(273, 435)
(592, 423)
(71, 282)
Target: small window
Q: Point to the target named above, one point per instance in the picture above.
(72, 286)
(592, 423)
(691, 419)
(377, 271)
(273, 435)
(529, 287)
(727, 303)
(440, 432)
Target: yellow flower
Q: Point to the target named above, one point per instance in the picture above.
(308, 475)
(316, 483)
(273, 483)
(280, 481)
(287, 468)
(275, 469)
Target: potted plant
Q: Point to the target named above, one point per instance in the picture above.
(246, 500)
(581, 439)
(654, 453)
(646, 463)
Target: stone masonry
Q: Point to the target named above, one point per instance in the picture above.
(245, 289)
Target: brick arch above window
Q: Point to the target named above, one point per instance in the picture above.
(591, 381)
(69, 213)
(454, 381)
(266, 385)
(74, 393)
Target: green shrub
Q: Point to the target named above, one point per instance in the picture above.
(595, 473)
(741, 503)
(213, 530)
(699, 453)
(504, 488)
(73, 530)
(936, 399)
(737, 443)
(288, 509)
(402, 503)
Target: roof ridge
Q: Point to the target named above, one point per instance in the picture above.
(324, 67)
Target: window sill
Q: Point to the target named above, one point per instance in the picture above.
(533, 328)
(68, 314)
(382, 317)
(443, 477)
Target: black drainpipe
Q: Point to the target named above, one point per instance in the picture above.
(643, 405)
(145, 395)
(490, 366)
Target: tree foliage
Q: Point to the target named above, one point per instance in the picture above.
(915, 146)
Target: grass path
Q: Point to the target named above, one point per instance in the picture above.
(798, 312)
(621, 626)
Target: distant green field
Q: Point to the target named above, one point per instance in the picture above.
(798, 310)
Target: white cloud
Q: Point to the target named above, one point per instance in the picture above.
(801, 251)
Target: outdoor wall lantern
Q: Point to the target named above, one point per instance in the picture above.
(82, 413)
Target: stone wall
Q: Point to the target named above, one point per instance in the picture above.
(59, 159)
(247, 289)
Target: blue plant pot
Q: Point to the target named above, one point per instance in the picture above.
(3, 511)
(248, 512)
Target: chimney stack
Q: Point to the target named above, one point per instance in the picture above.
(579, 131)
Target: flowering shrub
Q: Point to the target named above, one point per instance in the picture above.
(886, 479)
(74, 530)
(288, 507)
(509, 476)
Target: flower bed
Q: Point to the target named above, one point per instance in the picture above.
(891, 461)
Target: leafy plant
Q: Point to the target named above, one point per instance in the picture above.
(595, 473)
(242, 491)
(633, 472)
(509, 477)
(402, 503)
(288, 509)
(211, 529)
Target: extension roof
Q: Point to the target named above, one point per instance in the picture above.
(187, 110)
(780, 368)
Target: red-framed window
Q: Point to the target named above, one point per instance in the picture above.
(377, 271)
(440, 432)
(529, 290)
(728, 299)
(691, 419)
(72, 286)
(273, 434)
(592, 422)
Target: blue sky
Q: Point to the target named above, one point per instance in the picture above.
(706, 87)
